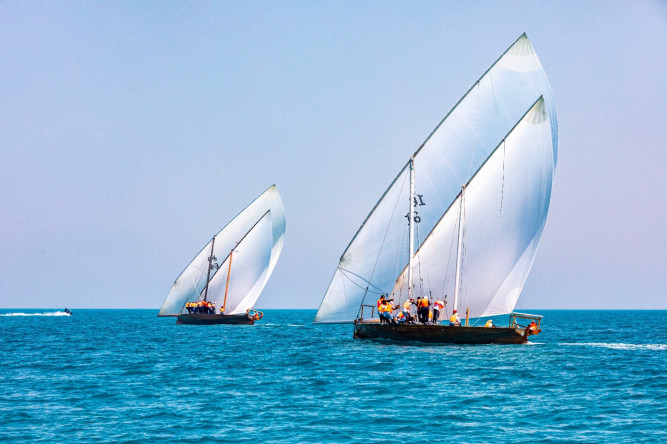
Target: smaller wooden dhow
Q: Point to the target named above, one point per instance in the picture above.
(210, 292)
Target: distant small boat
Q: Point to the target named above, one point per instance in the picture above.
(208, 292)
(68, 312)
(476, 212)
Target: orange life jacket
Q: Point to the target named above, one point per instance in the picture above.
(423, 302)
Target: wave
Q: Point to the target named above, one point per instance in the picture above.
(620, 345)
(51, 313)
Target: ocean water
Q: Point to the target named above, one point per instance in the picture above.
(128, 376)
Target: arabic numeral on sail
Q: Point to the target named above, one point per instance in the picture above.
(415, 217)
(419, 200)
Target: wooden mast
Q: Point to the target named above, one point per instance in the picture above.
(229, 272)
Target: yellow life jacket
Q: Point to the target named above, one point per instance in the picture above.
(454, 318)
(406, 305)
(489, 323)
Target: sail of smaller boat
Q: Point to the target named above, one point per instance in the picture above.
(509, 110)
(248, 248)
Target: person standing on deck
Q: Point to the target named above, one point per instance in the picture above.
(437, 307)
(423, 306)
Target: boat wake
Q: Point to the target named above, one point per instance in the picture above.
(51, 313)
(621, 346)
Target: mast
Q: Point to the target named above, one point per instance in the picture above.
(411, 224)
(458, 250)
(229, 272)
(211, 258)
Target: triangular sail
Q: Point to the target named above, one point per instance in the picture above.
(192, 281)
(506, 205)
(250, 264)
(452, 154)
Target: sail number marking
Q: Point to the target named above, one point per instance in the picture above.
(418, 201)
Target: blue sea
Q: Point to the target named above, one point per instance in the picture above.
(127, 376)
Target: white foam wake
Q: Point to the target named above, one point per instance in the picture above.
(621, 346)
(51, 313)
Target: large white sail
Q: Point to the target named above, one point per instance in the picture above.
(247, 274)
(504, 212)
(449, 157)
(192, 281)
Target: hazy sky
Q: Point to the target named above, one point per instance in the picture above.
(130, 132)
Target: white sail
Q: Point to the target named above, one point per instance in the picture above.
(449, 157)
(505, 208)
(192, 281)
(247, 274)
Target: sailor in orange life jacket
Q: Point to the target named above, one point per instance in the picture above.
(385, 312)
(401, 317)
(423, 306)
(454, 320)
(437, 306)
(380, 302)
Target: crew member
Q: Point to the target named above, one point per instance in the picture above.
(401, 317)
(423, 306)
(385, 312)
(380, 302)
(488, 324)
(437, 306)
(406, 310)
(532, 328)
(454, 320)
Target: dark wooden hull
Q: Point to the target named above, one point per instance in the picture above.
(440, 334)
(212, 319)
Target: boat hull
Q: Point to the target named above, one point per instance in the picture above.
(212, 319)
(439, 334)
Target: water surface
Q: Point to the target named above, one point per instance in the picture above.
(128, 376)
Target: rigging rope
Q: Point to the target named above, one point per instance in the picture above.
(384, 238)
(502, 199)
(449, 261)
(343, 272)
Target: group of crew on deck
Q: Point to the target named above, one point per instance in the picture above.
(427, 313)
(206, 307)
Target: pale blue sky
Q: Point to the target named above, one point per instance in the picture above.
(130, 132)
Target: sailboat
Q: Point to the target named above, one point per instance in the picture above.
(463, 217)
(210, 291)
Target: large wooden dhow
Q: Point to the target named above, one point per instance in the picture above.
(464, 216)
(211, 292)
